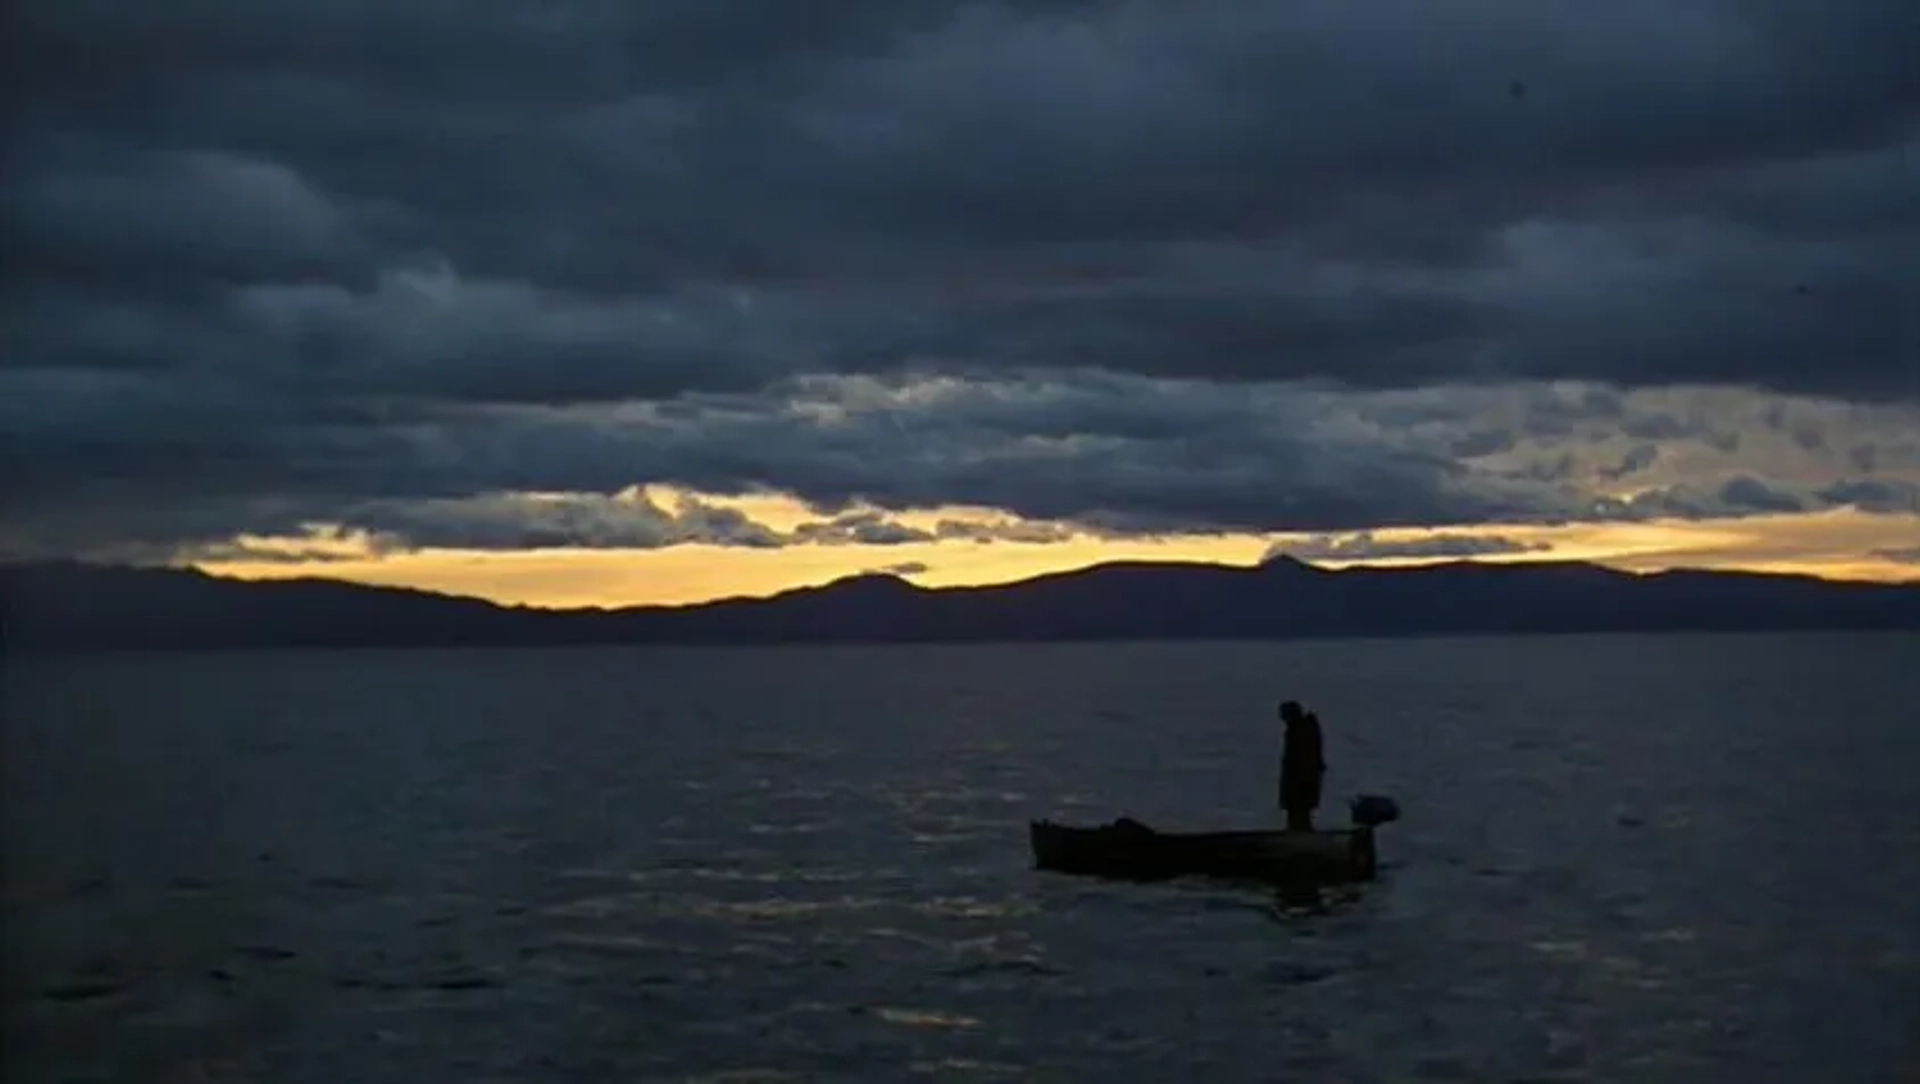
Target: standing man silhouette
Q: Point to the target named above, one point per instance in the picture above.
(1302, 766)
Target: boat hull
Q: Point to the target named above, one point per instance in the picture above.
(1127, 850)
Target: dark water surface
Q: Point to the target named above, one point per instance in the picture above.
(1623, 859)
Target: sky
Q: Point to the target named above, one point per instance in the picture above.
(597, 302)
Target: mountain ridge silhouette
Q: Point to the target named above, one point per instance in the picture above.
(73, 606)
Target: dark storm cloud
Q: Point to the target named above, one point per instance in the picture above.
(1745, 494)
(1638, 459)
(148, 221)
(987, 533)
(1365, 546)
(269, 261)
(1122, 456)
(1892, 497)
(865, 528)
(323, 530)
(1074, 453)
(624, 521)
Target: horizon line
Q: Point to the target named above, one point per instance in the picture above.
(1396, 564)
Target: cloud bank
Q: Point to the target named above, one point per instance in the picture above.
(1111, 266)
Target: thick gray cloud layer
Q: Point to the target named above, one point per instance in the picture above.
(1104, 454)
(270, 261)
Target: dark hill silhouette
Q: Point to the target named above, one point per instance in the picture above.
(79, 607)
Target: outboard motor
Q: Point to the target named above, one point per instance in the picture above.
(1372, 810)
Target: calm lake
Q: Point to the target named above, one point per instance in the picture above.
(1621, 859)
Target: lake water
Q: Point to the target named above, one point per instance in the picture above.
(1622, 859)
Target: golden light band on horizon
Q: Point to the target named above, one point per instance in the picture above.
(1836, 544)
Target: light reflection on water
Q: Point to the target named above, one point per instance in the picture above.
(1622, 860)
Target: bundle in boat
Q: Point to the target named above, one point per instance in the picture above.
(1129, 850)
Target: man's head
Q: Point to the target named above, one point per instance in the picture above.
(1290, 711)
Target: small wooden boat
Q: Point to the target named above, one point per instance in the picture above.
(1129, 850)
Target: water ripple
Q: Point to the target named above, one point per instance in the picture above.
(811, 866)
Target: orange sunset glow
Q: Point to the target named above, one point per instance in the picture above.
(1836, 544)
